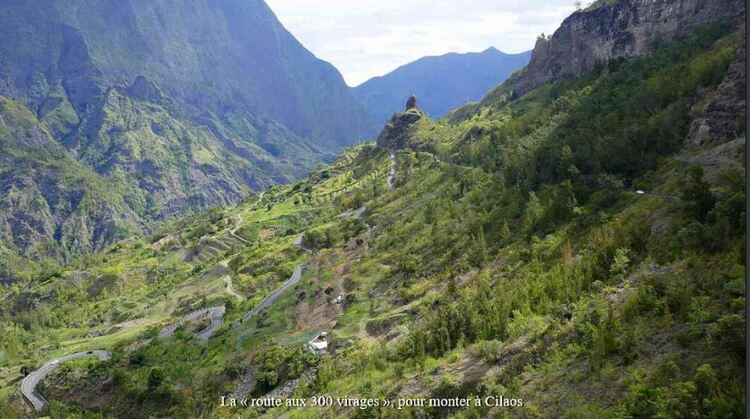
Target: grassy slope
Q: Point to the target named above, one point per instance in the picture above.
(519, 262)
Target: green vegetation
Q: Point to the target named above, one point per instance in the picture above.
(513, 257)
(130, 98)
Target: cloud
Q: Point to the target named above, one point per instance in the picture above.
(367, 38)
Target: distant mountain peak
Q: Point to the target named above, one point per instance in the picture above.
(441, 82)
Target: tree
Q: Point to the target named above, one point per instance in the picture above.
(534, 213)
(697, 193)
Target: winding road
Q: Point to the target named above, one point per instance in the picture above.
(216, 315)
(29, 383)
(217, 319)
(272, 297)
(240, 220)
(228, 281)
(299, 243)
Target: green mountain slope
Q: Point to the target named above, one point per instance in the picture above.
(225, 56)
(535, 248)
(46, 193)
(178, 106)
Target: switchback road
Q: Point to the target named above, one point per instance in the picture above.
(28, 385)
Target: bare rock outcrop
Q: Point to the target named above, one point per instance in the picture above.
(610, 30)
(396, 132)
(720, 119)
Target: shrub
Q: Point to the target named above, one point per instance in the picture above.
(155, 378)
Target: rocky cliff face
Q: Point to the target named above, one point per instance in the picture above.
(396, 132)
(723, 115)
(224, 56)
(610, 30)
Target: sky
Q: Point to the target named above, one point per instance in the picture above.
(367, 38)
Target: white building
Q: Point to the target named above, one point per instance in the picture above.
(319, 345)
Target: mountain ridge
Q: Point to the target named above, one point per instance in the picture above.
(441, 82)
(610, 30)
(181, 106)
(577, 250)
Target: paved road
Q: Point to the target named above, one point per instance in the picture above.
(217, 319)
(272, 297)
(298, 243)
(216, 315)
(29, 383)
(662, 196)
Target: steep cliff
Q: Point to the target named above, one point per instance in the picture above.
(609, 30)
(176, 106)
(396, 132)
(226, 56)
(722, 117)
(50, 204)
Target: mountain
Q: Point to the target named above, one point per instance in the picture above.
(573, 250)
(177, 105)
(46, 193)
(441, 83)
(611, 30)
(227, 56)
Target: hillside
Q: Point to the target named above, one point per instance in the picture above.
(45, 192)
(178, 106)
(578, 249)
(441, 83)
(615, 30)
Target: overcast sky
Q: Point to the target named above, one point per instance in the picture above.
(367, 38)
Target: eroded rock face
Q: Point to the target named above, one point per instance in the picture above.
(396, 131)
(623, 29)
(719, 120)
(145, 90)
(411, 103)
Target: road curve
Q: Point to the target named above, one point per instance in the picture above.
(217, 319)
(228, 281)
(29, 383)
(299, 243)
(272, 297)
(216, 315)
